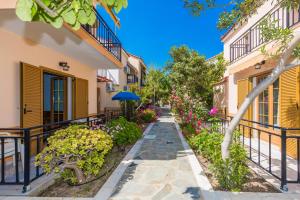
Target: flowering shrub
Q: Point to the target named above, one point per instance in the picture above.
(213, 119)
(213, 111)
(147, 116)
(231, 173)
(123, 132)
(188, 108)
(156, 109)
(76, 153)
(189, 130)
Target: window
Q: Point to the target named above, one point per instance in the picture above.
(276, 103)
(268, 104)
(263, 104)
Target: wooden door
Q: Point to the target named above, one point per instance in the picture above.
(81, 98)
(31, 96)
(244, 87)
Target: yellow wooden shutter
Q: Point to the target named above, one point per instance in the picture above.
(244, 87)
(289, 113)
(81, 98)
(31, 103)
(31, 95)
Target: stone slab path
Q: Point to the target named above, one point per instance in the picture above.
(160, 170)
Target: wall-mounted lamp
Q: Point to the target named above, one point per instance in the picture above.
(258, 65)
(64, 66)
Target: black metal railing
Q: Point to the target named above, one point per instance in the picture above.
(261, 139)
(105, 36)
(19, 146)
(253, 38)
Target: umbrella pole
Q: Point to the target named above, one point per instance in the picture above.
(126, 113)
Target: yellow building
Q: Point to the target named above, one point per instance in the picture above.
(279, 104)
(50, 75)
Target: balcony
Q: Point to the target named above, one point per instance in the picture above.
(252, 39)
(105, 36)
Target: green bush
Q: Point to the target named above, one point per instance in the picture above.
(124, 132)
(76, 153)
(188, 129)
(148, 115)
(231, 173)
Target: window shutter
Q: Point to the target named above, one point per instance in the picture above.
(81, 98)
(289, 113)
(244, 87)
(31, 96)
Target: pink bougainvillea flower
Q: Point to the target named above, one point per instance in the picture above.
(213, 111)
(199, 123)
(190, 114)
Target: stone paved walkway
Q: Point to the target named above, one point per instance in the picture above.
(161, 168)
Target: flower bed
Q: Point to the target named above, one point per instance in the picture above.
(85, 158)
(90, 189)
(233, 174)
(254, 183)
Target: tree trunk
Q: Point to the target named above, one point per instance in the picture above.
(278, 70)
(78, 172)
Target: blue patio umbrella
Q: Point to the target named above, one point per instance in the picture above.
(126, 96)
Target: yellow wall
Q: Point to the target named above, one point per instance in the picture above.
(14, 49)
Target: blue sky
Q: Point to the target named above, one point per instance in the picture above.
(150, 28)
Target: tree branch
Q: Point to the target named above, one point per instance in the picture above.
(46, 8)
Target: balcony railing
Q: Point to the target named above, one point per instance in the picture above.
(253, 38)
(105, 36)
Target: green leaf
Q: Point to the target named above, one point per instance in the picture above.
(76, 26)
(57, 22)
(75, 5)
(82, 17)
(69, 16)
(24, 10)
(92, 19)
(110, 2)
(118, 7)
(46, 2)
(125, 3)
(34, 9)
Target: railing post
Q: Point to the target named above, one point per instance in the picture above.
(88, 121)
(26, 186)
(283, 185)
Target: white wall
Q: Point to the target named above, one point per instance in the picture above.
(106, 97)
(232, 95)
